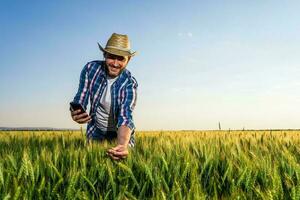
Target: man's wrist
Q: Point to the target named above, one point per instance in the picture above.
(123, 135)
(124, 145)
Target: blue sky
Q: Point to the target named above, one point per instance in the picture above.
(199, 62)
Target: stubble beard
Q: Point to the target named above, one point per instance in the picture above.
(112, 73)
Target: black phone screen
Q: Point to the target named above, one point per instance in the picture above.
(76, 106)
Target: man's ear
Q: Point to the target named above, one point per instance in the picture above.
(129, 57)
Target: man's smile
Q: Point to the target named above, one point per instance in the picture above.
(114, 69)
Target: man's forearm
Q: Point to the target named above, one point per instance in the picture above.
(123, 135)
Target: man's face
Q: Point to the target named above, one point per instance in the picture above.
(115, 64)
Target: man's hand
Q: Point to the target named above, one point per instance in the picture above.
(121, 150)
(80, 118)
(118, 152)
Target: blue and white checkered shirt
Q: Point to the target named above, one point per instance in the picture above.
(93, 80)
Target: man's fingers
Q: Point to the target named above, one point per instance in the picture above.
(111, 151)
(119, 148)
(115, 149)
(118, 153)
(76, 112)
(113, 157)
(80, 116)
(122, 153)
(84, 120)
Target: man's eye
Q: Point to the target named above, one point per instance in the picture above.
(121, 58)
(113, 57)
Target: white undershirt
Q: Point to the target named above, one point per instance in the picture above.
(104, 118)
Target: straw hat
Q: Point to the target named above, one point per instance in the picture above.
(118, 44)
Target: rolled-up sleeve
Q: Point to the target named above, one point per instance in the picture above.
(82, 94)
(129, 97)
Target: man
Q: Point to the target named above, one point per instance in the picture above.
(112, 92)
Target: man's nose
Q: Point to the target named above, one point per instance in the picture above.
(115, 62)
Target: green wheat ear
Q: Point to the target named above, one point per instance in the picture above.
(71, 186)
(7, 197)
(17, 193)
(111, 179)
(1, 175)
(55, 188)
(30, 171)
(90, 184)
(41, 186)
(296, 192)
(12, 161)
(129, 171)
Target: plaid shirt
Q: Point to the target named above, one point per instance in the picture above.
(93, 80)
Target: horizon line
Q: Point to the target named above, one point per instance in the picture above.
(154, 130)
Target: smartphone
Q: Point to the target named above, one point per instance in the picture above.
(76, 106)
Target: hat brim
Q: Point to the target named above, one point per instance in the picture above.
(116, 51)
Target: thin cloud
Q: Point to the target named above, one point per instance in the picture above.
(179, 34)
(189, 34)
(182, 90)
(185, 34)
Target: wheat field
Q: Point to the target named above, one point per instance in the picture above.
(163, 165)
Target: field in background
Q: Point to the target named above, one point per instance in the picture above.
(163, 165)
